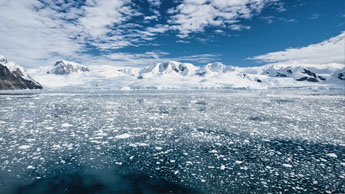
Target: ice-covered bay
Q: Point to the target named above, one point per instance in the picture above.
(207, 142)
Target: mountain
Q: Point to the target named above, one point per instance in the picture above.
(13, 76)
(322, 74)
(171, 68)
(176, 75)
(214, 69)
(66, 67)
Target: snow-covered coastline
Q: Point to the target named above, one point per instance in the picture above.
(183, 76)
(176, 75)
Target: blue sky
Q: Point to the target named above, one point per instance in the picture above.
(141, 32)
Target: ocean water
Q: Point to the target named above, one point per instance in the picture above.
(172, 142)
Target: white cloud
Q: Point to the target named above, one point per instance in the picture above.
(144, 59)
(268, 19)
(153, 17)
(159, 28)
(101, 15)
(203, 58)
(329, 51)
(195, 15)
(29, 38)
(155, 3)
(37, 32)
(315, 16)
(33, 32)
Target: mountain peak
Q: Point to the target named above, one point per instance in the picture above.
(168, 68)
(14, 76)
(215, 67)
(62, 67)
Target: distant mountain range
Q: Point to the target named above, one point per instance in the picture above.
(176, 75)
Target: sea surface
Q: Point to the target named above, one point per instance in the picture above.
(232, 141)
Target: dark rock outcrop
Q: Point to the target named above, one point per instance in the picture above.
(321, 78)
(306, 71)
(280, 75)
(309, 79)
(15, 80)
(341, 76)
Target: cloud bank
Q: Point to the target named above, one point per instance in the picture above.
(328, 51)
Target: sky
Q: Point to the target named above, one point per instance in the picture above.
(241, 33)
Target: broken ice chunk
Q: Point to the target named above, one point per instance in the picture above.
(332, 155)
(123, 136)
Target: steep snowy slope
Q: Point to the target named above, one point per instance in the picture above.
(300, 75)
(66, 67)
(214, 69)
(13, 76)
(171, 69)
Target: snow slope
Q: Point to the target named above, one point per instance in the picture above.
(176, 75)
(63, 67)
(14, 67)
(14, 76)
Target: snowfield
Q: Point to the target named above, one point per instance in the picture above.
(176, 75)
(240, 141)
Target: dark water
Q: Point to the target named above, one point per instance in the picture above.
(102, 182)
(238, 142)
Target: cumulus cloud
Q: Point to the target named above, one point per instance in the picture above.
(101, 15)
(195, 15)
(29, 37)
(36, 32)
(155, 3)
(33, 31)
(328, 51)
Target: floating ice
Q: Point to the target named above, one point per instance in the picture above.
(287, 165)
(30, 167)
(213, 140)
(158, 148)
(66, 125)
(123, 136)
(332, 155)
(24, 147)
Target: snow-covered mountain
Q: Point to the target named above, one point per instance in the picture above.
(327, 74)
(176, 75)
(214, 68)
(13, 76)
(63, 67)
(171, 69)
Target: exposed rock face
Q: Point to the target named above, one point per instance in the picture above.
(341, 76)
(64, 68)
(310, 79)
(299, 73)
(15, 80)
(281, 74)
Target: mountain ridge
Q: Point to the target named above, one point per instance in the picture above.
(177, 75)
(14, 76)
(63, 67)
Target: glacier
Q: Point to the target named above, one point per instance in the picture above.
(177, 75)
